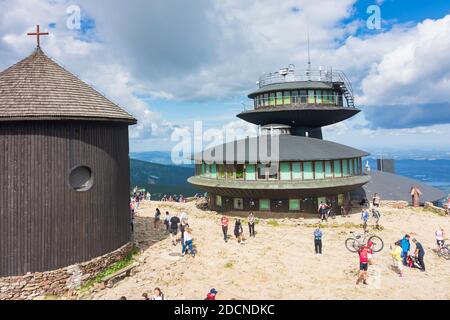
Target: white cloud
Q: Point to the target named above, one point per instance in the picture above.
(206, 50)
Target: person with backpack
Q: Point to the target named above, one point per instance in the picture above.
(318, 240)
(376, 215)
(405, 248)
(239, 231)
(157, 218)
(167, 221)
(174, 222)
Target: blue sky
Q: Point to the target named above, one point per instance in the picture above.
(171, 63)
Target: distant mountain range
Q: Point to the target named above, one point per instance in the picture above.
(165, 157)
(159, 157)
(160, 179)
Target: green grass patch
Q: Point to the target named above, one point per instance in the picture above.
(273, 223)
(125, 262)
(229, 265)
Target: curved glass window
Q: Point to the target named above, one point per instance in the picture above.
(311, 97)
(337, 169)
(250, 172)
(272, 99)
(221, 171)
(213, 171)
(230, 171)
(328, 171)
(285, 171)
(239, 172)
(319, 96)
(287, 97)
(294, 205)
(266, 100)
(297, 171)
(264, 205)
(308, 173)
(295, 97)
(319, 173)
(345, 168)
(303, 96)
(279, 98)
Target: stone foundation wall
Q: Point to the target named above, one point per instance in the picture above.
(58, 282)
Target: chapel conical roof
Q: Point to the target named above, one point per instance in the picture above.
(37, 88)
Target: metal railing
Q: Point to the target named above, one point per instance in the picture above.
(292, 75)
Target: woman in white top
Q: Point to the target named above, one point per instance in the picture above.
(187, 242)
(439, 237)
(158, 295)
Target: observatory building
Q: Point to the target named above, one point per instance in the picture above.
(289, 167)
(64, 169)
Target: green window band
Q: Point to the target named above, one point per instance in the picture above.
(308, 171)
(319, 173)
(264, 204)
(285, 171)
(250, 172)
(296, 171)
(294, 205)
(328, 172)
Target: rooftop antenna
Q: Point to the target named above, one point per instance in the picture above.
(309, 53)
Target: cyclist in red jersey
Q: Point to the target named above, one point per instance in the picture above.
(363, 264)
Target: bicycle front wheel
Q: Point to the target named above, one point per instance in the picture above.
(378, 244)
(352, 245)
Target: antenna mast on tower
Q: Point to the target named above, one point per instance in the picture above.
(309, 53)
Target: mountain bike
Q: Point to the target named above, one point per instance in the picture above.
(444, 251)
(355, 243)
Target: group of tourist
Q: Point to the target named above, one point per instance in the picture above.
(402, 257)
(179, 230)
(136, 198)
(371, 209)
(174, 198)
(238, 229)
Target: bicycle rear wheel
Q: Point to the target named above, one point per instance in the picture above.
(445, 252)
(378, 244)
(352, 245)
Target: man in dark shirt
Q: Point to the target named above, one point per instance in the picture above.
(419, 254)
(174, 222)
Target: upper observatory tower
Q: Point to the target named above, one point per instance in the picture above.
(305, 100)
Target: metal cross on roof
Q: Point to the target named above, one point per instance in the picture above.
(38, 35)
